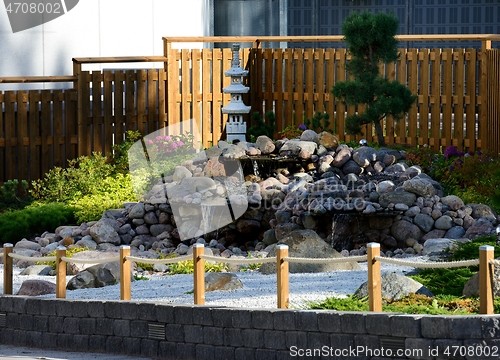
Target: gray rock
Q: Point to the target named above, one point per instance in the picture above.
(482, 211)
(343, 156)
(438, 246)
(327, 140)
(479, 227)
(364, 155)
(269, 237)
(425, 222)
(402, 230)
(352, 167)
(36, 288)
(397, 197)
(36, 270)
(283, 230)
(265, 144)
(102, 232)
(222, 281)
(27, 245)
(445, 222)
(180, 173)
(471, 288)
(96, 276)
(453, 202)
(395, 287)
(308, 135)
(385, 186)
(306, 243)
(137, 211)
(420, 187)
(456, 232)
(295, 146)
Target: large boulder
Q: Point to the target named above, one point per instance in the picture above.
(96, 276)
(395, 287)
(222, 281)
(102, 232)
(36, 287)
(307, 244)
(471, 288)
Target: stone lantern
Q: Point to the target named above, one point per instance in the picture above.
(236, 128)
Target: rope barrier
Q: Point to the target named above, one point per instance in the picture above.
(90, 261)
(29, 258)
(428, 265)
(495, 262)
(326, 260)
(159, 261)
(238, 261)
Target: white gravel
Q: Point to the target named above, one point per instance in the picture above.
(259, 291)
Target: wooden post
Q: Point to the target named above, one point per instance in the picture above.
(124, 273)
(199, 274)
(7, 269)
(60, 273)
(486, 254)
(374, 282)
(282, 274)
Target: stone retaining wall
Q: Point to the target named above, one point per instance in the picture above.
(159, 330)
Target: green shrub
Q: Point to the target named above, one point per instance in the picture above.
(119, 155)
(34, 220)
(260, 127)
(319, 122)
(14, 195)
(187, 267)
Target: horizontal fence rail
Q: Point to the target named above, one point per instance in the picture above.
(486, 264)
(457, 89)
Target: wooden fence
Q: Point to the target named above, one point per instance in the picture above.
(458, 99)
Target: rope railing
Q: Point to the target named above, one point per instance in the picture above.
(486, 264)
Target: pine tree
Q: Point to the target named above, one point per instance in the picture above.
(371, 40)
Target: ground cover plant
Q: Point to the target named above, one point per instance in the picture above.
(445, 284)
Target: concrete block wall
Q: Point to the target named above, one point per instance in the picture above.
(161, 330)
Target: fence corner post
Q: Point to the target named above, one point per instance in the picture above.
(199, 274)
(486, 254)
(60, 273)
(124, 273)
(7, 269)
(374, 281)
(282, 276)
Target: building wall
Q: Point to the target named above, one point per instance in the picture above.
(98, 28)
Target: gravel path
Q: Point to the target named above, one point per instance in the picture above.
(259, 291)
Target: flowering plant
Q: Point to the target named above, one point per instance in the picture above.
(170, 144)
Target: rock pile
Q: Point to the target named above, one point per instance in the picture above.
(349, 197)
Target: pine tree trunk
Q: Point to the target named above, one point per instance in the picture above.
(380, 134)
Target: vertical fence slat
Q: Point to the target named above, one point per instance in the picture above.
(227, 56)
(319, 97)
(206, 128)
(483, 94)
(118, 81)
(340, 107)
(10, 135)
(186, 85)
(217, 95)
(278, 90)
(447, 97)
(34, 134)
(423, 99)
(390, 74)
(309, 83)
(493, 102)
(268, 80)
(402, 78)
(71, 125)
(290, 119)
(470, 99)
(436, 100)
(413, 87)
(46, 156)
(162, 109)
(299, 87)
(97, 123)
(141, 100)
(458, 99)
(130, 103)
(58, 127)
(330, 80)
(3, 140)
(109, 121)
(22, 135)
(196, 99)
